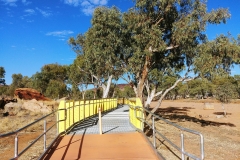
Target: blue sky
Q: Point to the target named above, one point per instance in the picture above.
(34, 33)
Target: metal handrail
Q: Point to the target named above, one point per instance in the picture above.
(183, 152)
(16, 154)
(30, 124)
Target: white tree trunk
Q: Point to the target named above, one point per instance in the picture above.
(83, 95)
(107, 88)
(135, 90)
(151, 96)
(83, 89)
(165, 93)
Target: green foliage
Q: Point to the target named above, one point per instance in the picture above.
(101, 44)
(93, 94)
(17, 80)
(162, 80)
(16, 83)
(2, 72)
(2, 75)
(165, 34)
(153, 42)
(78, 79)
(74, 93)
(199, 87)
(90, 94)
(51, 72)
(217, 57)
(183, 90)
(27, 82)
(4, 90)
(127, 92)
(54, 71)
(237, 83)
(225, 89)
(100, 47)
(56, 89)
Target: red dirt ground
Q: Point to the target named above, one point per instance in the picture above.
(221, 134)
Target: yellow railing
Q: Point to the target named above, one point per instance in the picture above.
(135, 112)
(75, 111)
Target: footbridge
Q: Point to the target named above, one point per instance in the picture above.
(104, 129)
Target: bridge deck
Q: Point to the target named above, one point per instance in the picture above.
(131, 146)
(116, 121)
(118, 141)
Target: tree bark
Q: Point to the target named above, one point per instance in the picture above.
(140, 85)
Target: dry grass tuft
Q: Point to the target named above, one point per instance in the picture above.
(22, 118)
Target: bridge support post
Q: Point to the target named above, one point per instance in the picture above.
(16, 147)
(153, 128)
(182, 145)
(100, 120)
(44, 136)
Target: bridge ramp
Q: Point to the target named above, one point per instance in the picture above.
(116, 121)
(116, 146)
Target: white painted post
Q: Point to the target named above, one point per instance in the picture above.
(44, 136)
(100, 120)
(182, 145)
(16, 147)
(153, 128)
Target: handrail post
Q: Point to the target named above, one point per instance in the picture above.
(202, 146)
(182, 145)
(16, 147)
(100, 120)
(65, 112)
(73, 111)
(69, 114)
(44, 136)
(57, 122)
(153, 128)
(142, 123)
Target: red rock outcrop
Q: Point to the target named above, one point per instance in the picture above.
(29, 94)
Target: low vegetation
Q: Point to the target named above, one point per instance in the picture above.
(22, 118)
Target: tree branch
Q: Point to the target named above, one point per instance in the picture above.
(159, 21)
(185, 78)
(147, 87)
(92, 75)
(172, 47)
(158, 93)
(168, 48)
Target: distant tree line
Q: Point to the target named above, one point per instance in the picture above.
(55, 81)
(222, 88)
